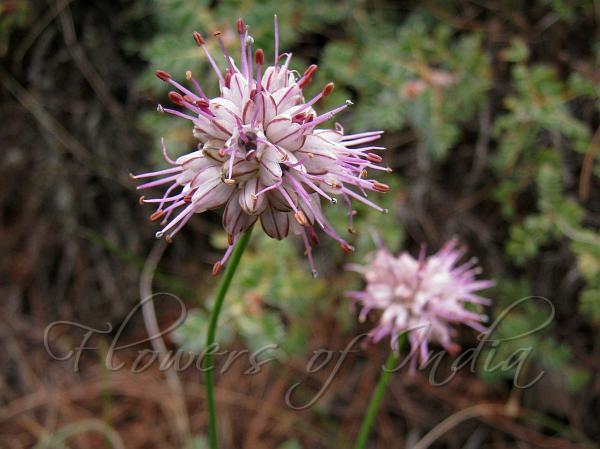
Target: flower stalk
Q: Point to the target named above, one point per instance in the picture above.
(209, 377)
(371, 413)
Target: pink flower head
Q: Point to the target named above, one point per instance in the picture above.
(261, 154)
(423, 297)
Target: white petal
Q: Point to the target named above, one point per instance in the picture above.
(244, 170)
(209, 176)
(235, 220)
(318, 154)
(237, 92)
(281, 131)
(211, 195)
(276, 224)
(270, 169)
(251, 203)
(332, 135)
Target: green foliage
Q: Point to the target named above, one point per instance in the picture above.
(405, 76)
(538, 111)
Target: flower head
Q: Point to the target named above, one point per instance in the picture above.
(423, 297)
(261, 154)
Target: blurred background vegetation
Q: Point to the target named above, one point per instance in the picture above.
(492, 124)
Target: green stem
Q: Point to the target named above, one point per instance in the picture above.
(384, 379)
(209, 377)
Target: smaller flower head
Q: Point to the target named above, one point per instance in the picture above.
(423, 297)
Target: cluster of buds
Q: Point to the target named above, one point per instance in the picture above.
(422, 297)
(261, 154)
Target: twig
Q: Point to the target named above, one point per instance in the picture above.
(84, 64)
(459, 417)
(34, 32)
(88, 425)
(30, 103)
(181, 415)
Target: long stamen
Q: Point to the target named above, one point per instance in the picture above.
(359, 135)
(166, 77)
(326, 116)
(249, 42)
(158, 173)
(165, 153)
(179, 226)
(190, 77)
(308, 249)
(317, 121)
(348, 203)
(313, 186)
(276, 31)
(287, 198)
(217, 34)
(306, 200)
(229, 180)
(266, 189)
(180, 114)
(259, 59)
(353, 143)
(288, 57)
(324, 93)
(241, 29)
(185, 212)
(202, 44)
(158, 182)
(364, 200)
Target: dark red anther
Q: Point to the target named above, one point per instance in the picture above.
(202, 103)
(253, 94)
(157, 215)
(216, 268)
(187, 198)
(259, 57)
(164, 76)
(228, 78)
(372, 157)
(176, 98)
(310, 71)
(380, 187)
(309, 118)
(307, 77)
(217, 34)
(327, 89)
(304, 82)
(241, 26)
(190, 100)
(198, 38)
